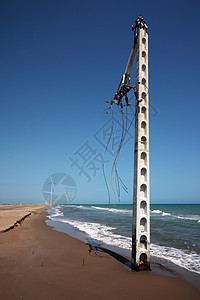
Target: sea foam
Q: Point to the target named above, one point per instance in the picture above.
(164, 214)
(106, 235)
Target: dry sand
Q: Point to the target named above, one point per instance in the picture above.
(37, 262)
(12, 215)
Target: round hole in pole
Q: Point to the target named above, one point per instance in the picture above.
(144, 54)
(143, 125)
(143, 190)
(144, 156)
(144, 81)
(143, 171)
(143, 242)
(143, 110)
(143, 139)
(143, 258)
(144, 41)
(143, 207)
(144, 95)
(143, 224)
(143, 67)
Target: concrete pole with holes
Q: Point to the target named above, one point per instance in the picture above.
(141, 195)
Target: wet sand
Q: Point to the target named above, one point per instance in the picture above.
(37, 262)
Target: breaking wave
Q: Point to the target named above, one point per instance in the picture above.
(162, 213)
(106, 235)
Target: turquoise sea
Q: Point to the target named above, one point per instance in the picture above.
(175, 229)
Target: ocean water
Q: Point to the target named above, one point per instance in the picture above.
(175, 229)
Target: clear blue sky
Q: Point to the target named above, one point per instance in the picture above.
(61, 59)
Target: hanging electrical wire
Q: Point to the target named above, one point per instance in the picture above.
(103, 164)
(123, 125)
(121, 99)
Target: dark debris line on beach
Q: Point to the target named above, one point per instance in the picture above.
(16, 224)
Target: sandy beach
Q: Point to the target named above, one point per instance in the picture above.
(12, 215)
(37, 262)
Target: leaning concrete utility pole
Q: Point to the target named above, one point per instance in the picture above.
(141, 198)
(140, 259)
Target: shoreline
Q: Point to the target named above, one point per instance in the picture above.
(159, 265)
(37, 262)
